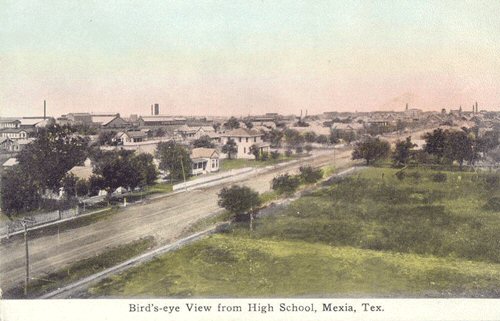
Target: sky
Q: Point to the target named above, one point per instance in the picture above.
(247, 57)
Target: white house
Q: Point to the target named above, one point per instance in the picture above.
(204, 160)
(244, 139)
(130, 137)
(14, 133)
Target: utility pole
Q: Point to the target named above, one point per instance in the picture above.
(183, 173)
(24, 223)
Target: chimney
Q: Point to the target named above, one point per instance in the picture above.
(406, 106)
(152, 112)
(477, 108)
(44, 109)
(157, 109)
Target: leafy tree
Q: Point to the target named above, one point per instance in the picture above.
(285, 183)
(68, 183)
(322, 139)
(230, 148)
(106, 137)
(175, 159)
(310, 175)
(435, 143)
(145, 168)
(310, 137)
(117, 170)
(248, 123)
(82, 187)
(308, 148)
(239, 200)
(255, 151)
(299, 149)
(203, 141)
(402, 152)
(459, 147)
(274, 136)
(275, 154)
(96, 183)
(216, 126)
(371, 149)
(489, 141)
(232, 123)
(293, 138)
(18, 191)
(55, 151)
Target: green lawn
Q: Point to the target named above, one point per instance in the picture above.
(228, 164)
(370, 234)
(223, 265)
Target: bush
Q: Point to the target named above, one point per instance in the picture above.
(493, 204)
(264, 156)
(299, 149)
(401, 175)
(288, 153)
(275, 154)
(439, 177)
(285, 183)
(492, 181)
(310, 175)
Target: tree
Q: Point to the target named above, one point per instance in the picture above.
(310, 175)
(216, 126)
(68, 183)
(310, 137)
(230, 148)
(117, 170)
(255, 151)
(248, 123)
(308, 148)
(293, 138)
(203, 141)
(459, 147)
(54, 152)
(145, 168)
(402, 152)
(239, 200)
(322, 139)
(96, 183)
(285, 183)
(82, 187)
(274, 137)
(18, 191)
(275, 154)
(435, 143)
(232, 123)
(371, 149)
(106, 137)
(174, 159)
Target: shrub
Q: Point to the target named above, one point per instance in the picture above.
(299, 149)
(492, 181)
(285, 183)
(288, 153)
(264, 156)
(275, 154)
(493, 204)
(439, 177)
(401, 175)
(310, 175)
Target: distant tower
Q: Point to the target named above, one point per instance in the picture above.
(477, 108)
(44, 109)
(406, 106)
(157, 109)
(443, 111)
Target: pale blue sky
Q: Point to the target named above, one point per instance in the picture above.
(223, 57)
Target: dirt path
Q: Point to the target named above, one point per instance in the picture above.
(165, 219)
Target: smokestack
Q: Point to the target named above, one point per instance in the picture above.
(152, 112)
(44, 109)
(477, 110)
(157, 109)
(406, 106)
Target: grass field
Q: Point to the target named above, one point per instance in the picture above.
(228, 164)
(371, 234)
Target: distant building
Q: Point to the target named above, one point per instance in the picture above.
(14, 133)
(160, 121)
(6, 144)
(204, 160)
(130, 137)
(244, 139)
(9, 123)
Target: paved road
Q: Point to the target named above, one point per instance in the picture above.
(165, 219)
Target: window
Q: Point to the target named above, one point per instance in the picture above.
(244, 150)
(255, 139)
(240, 139)
(247, 139)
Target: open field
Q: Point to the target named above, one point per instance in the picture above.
(371, 234)
(228, 164)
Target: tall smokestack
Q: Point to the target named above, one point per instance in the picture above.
(44, 109)
(406, 106)
(157, 109)
(477, 110)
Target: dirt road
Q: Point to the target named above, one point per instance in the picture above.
(165, 219)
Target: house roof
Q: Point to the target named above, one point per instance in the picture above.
(10, 162)
(241, 132)
(82, 172)
(9, 120)
(203, 152)
(4, 139)
(161, 118)
(13, 130)
(133, 134)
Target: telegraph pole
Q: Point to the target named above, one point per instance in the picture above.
(24, 223)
